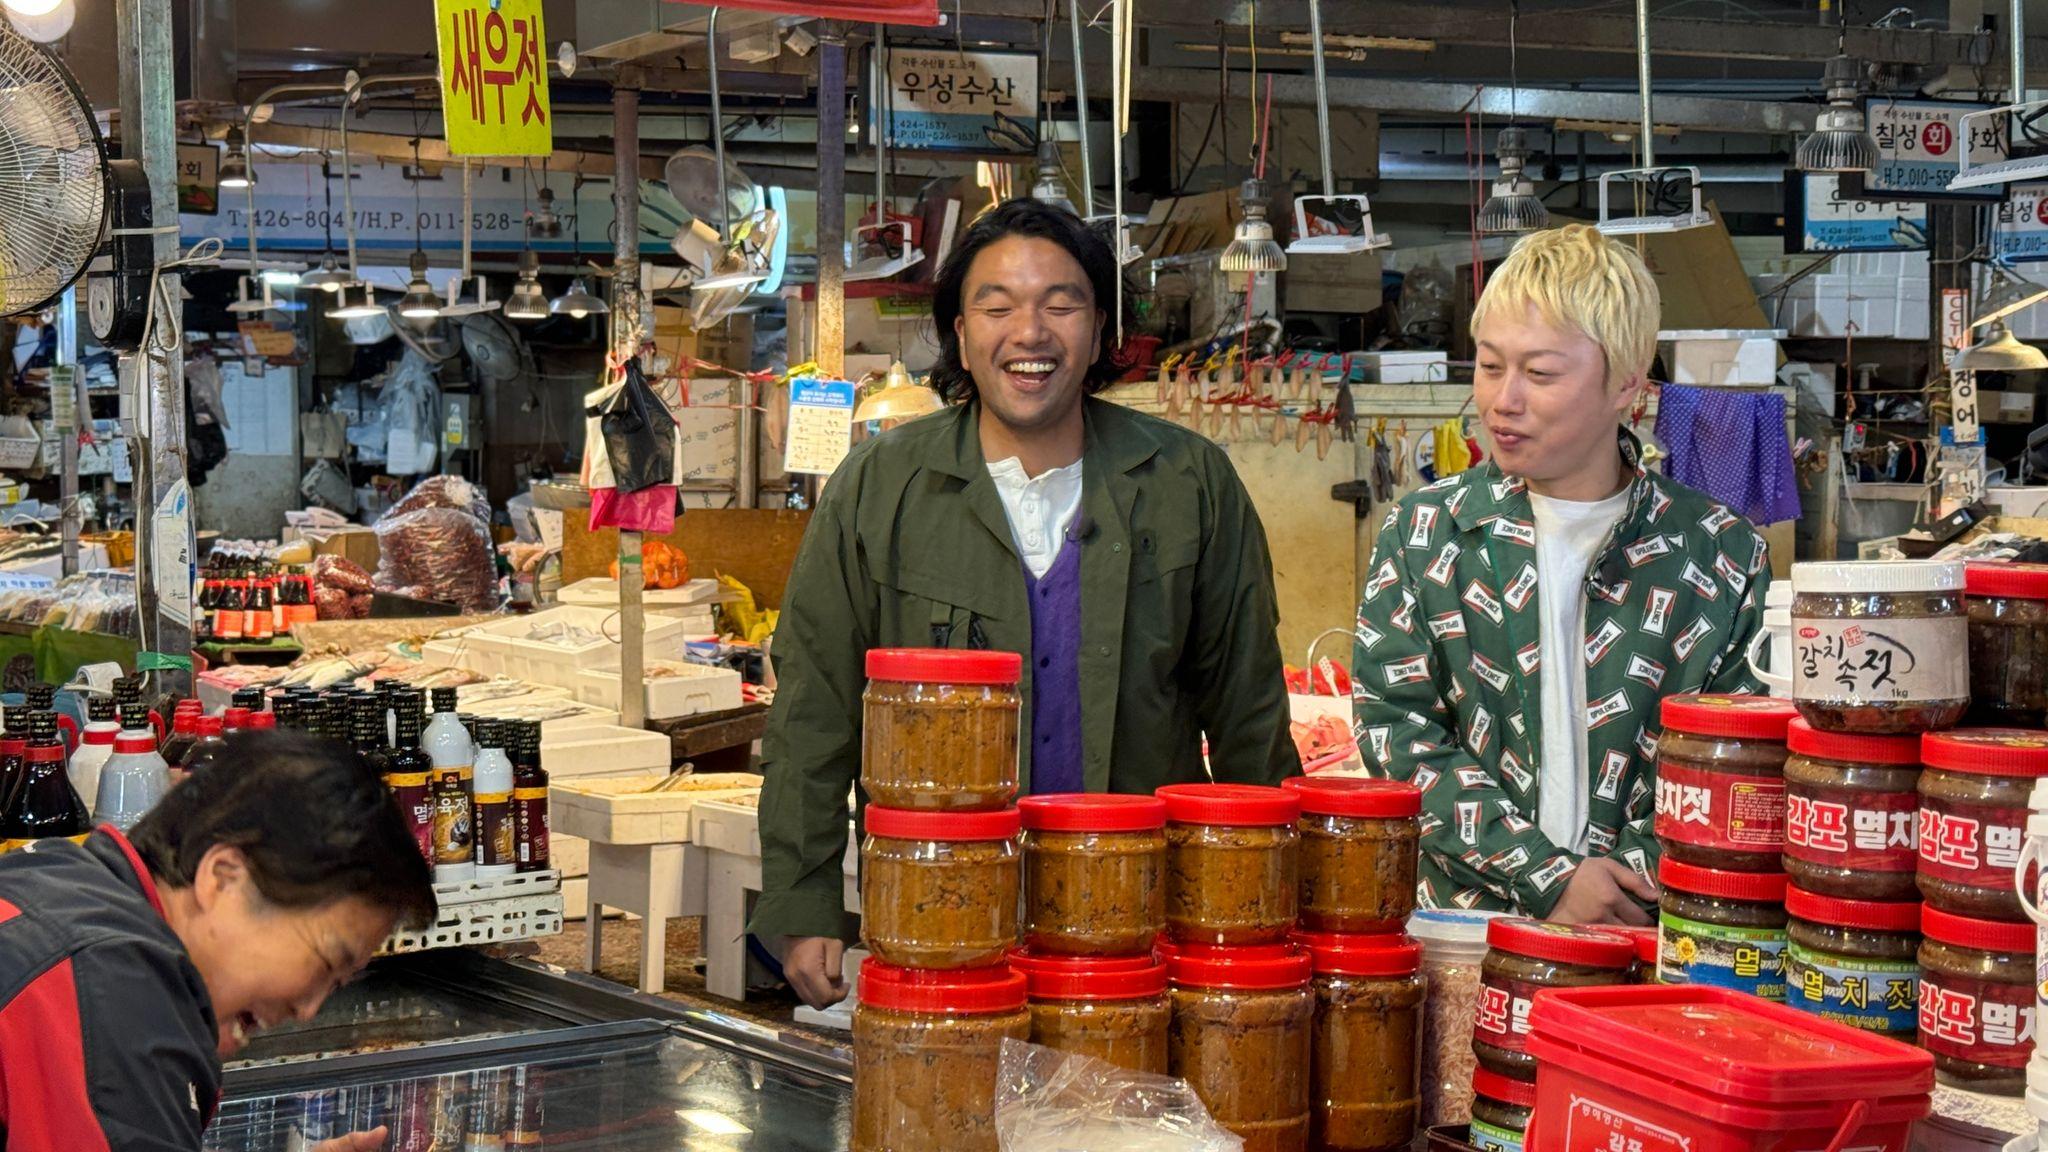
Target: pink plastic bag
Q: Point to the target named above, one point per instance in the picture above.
(652, 509)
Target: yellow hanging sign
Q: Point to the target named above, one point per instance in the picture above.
(494, 77)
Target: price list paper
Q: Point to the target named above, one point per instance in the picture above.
(820, 425)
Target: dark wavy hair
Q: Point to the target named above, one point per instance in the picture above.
(1024, 217)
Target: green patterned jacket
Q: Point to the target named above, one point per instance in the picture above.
(1445, 671)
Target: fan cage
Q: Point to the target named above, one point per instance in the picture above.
(53, 176)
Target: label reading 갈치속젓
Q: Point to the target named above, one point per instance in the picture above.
(1748, 960)
(1493, 1138)
(1873, 995)
(1718, 809)
(1880, 661)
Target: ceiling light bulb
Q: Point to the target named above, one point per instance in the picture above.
(1050, 187)
(326, 278)
(1253, 248)
(419, 301)
(366, 307)
(1841, 141)
(578, 302)
(1999, 351)
(544, 224)
(234, 169)
(1513, 207)
(32, 7)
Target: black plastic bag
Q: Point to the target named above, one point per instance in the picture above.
(639, 434)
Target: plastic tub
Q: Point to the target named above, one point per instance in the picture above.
(1233, 863)
(1666, 1068)
(939, 728)
(1721, 780)
(1524, 957)
(1094, 872)
(1453, 950)
(939, 889)
(672, 689)
(1358, 852)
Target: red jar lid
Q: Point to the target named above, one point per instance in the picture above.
(944, 666)
(1741, 717)
(1646, 939)
(1092, 812)
(2011, 581)
(1560, 943)
(1876, 915)
(1260, 967)
(1761, 887)
(963, 992)
(1495, 1086)
(1235, 805)
(1024, 959)
(1352, 796)
(1970, 932)
(918, 824)
(1093, 978)
(1806, 740)
(1988, 751)
(1362, 954)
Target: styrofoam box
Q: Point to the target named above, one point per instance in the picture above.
(541, 663)
(622, 810)
(1723, 356)
(726, 827)
(687, 690)
(602, 592)
(604, 751)
(1405, 367)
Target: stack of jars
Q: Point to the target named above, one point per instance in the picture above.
(1296, 999)
(940, 881)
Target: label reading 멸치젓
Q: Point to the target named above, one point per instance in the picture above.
(1493, 1138)
(1971, 844)
(1873, 661)
(1851, 828)
(1748, 960)
(1873, 995)
(1719, 809)
(1977, 1021)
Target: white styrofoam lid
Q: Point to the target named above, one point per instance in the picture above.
(1721, 334)
(1450, 925)
(2038, 798)
(1779, 594)
(1857, 577)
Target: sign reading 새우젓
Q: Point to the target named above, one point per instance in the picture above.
(945, 100)
(494, 77)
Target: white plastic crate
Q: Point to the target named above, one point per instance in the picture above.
(694, 597)
(604, 751)
(622, 810)
(539, 662)
(686, 690)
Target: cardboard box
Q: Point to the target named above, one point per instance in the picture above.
(729, 343)
(1700, 278)
(352, 542)
(1332, 283)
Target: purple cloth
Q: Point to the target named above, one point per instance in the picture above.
(1056, 672)
(1731, 445)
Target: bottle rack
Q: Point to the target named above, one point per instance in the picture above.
(520, 907)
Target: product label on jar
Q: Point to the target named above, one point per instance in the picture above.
(1503, 1019)
(1493, 1138)
(1719, 809)
(496, 834)
(1881, 661)
(1878, 832)
(1592, 1123)
(1748, 960)
(1971, 844)
(1874, 995)
(1979, 1021)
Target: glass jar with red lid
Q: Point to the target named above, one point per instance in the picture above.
(1094, 872)
(1721, 780)
(1241, 1038)
(1977, 1000)
(1358, 852)
(2008, 608)
(1973, 817)
(1644, 937)
(939, 728)
(939, 889)
(926, 1046)
(1854, 962)
(1523, 957)
(1723, 929)
(1366, 1060)
(1852, 806)
(1105, 1007)
(1233, 868)
(1501, 1106)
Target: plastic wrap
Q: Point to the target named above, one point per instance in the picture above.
(102, 601)
(341, 589)
(435, 544)
(1047, 1101)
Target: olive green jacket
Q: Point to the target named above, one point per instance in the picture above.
(909, 547)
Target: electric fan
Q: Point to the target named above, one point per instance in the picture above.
(54, 177)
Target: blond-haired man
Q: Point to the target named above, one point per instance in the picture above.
(1521, 622)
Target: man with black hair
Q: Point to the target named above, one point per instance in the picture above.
(1118, 553)
(131, 965)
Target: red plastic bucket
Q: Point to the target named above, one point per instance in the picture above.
(1682, 1068)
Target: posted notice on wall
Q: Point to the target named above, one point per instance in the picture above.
(820, 425)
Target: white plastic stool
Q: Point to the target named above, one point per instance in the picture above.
(655, 881)
(731, 879)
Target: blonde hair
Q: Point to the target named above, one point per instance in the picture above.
(1578, 279)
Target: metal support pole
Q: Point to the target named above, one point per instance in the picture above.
(1643, 82)
(625, 336)
(1081, 109)
(2017, 35)
(829, 328)
(163, 497)
(1315, 30)
(67, 399)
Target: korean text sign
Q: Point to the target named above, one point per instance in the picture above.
(944, 100)
(494, 77)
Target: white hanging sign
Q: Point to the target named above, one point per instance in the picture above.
(820, 425)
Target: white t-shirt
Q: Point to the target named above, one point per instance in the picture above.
(1040, 509)
(1568, 533)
